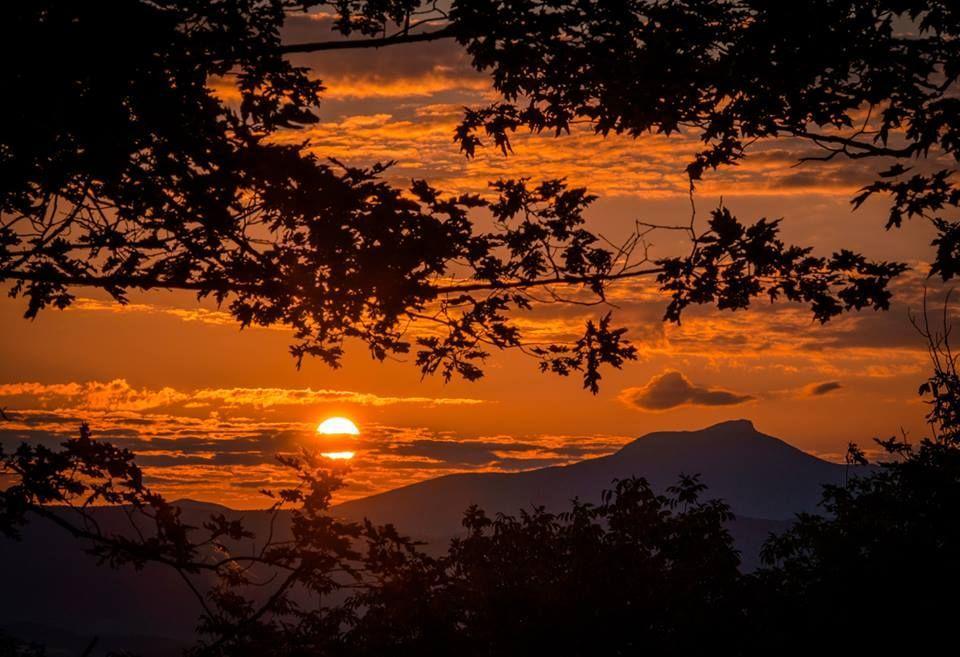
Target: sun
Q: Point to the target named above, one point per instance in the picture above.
(338, 435)
(338, 426)
(338, 456)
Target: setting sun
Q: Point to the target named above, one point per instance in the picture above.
(338, 456)
(332, 428)
(335, 426)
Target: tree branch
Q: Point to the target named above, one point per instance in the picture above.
(316, 46)
(543, 282)
(148, 283)
(868, 150)
(138, 282)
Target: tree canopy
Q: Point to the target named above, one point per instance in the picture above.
(121, 169)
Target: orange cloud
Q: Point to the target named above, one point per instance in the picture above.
(267, 397)
(437, 81)
(200, 315)
(115, 395)
(230, 459)
(672, 389)
(651, 166)
(118, 395)
(823, 388)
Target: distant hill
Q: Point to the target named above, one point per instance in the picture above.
(760, 476)
(53, 591)
(56, 594)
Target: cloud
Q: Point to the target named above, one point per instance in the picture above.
(228, 458)
(115, 395)
(515, 464)
(378, 86)
(671, 389)
(118, 395)
(818, 389)
(465, 452)
(268, 397)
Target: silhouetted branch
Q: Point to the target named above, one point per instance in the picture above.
(449, 32)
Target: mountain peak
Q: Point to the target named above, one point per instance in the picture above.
(760, 476)
(741, 424)
(736, 442)
(727, 434)
(198, 505)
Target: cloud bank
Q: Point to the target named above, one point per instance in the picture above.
(119, 395)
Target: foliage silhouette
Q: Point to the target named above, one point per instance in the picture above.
(884, 550)
(121, 168)
(857, 80)
(640, 571)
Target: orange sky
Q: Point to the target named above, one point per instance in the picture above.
(206, 406)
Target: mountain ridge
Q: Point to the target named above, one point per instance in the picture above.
(759, 475)
(62, 590)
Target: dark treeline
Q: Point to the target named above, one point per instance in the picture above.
(640, 572)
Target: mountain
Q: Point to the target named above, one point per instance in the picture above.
(760, 476)
(54, 592)
(57, 594)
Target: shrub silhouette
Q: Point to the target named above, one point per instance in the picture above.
(877, 570)
(638, 572)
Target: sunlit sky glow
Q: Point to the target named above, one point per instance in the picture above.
(338, 426)
(206, 406)
(339, 456)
